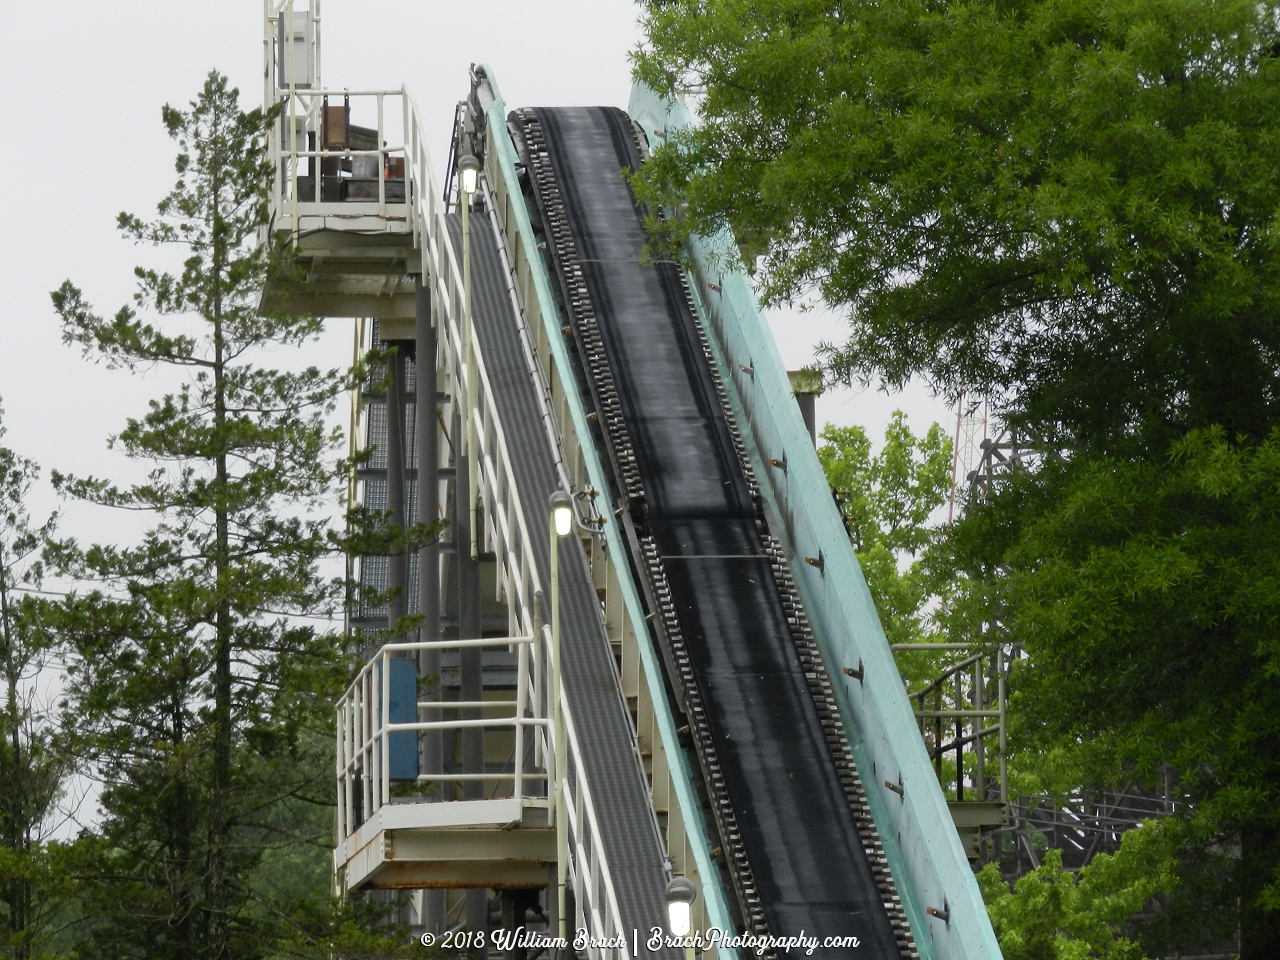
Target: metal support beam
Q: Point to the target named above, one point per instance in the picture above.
(427, 446)
(468, 580)
(472, 685)
(398, 561)
(979, 751)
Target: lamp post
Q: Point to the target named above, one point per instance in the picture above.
(561, 526)
(680, 894)
(468, 168)
(468, 176)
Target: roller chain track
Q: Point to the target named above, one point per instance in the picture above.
(585, 332)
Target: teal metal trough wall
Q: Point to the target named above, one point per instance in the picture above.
(920, 840)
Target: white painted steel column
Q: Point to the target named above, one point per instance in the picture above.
(469, 358)
(558, 748)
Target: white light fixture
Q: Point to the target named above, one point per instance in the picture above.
(468, 171)
(680, 895)
(562, 514)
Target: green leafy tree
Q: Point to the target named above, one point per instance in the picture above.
(1068, 206)
(1055, 914)
(36, 884)
(889, 501)
(1146, 596)
(357, 928)
(197, 686)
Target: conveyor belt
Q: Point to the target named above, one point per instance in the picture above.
(590, 673)
(802, 851)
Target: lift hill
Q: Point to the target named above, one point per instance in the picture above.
(520, 370)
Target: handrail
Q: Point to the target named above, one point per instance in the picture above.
(509, 534)
(589, 868)
(365, 728)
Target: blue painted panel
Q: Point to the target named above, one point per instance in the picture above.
(919, 837)
(402, 707)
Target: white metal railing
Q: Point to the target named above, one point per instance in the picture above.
(494, 487)
(291, 81)
(366, 729)
(589, 875)
(301, 114)
(421, 211)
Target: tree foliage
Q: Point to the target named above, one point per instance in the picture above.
(36, 880)
(196, 683)
(1069, 206)
(1146, 595)
(1055, 914)
(889, 501)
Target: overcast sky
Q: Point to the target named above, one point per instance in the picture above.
(84, 86)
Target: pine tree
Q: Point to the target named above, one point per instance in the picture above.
(34, 886)
(201, 691)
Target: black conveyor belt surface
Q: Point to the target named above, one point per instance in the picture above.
(801, 837)
(605, 734)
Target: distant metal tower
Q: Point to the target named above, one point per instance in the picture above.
(969, 444)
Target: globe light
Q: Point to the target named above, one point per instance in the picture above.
(678, 918)
(468, 171)
(562, 514)
(680, 895)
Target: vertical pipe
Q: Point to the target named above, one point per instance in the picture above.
(959, 678)
(470, 659)
(509, 921)
(1000, 695)
(293, 94)
(337, 762)
(979, 752)
(522, 678)
(345, 797)
(397, 562)
(562, 826)
(267, 73)
(539, 704)
(366, 757)
(427, 447)
(382, 163)
(316, 76)
(353, 765)
(384, 751)
(937, 731)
